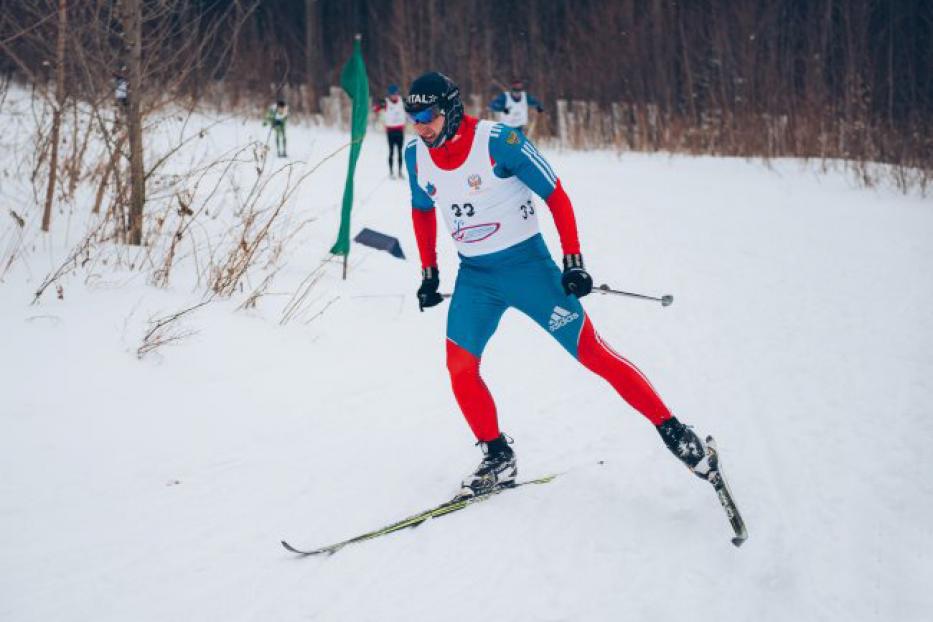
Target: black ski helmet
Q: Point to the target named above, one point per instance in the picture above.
(436, 89)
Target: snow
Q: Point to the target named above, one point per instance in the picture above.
(158, 488)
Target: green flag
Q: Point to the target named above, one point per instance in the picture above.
(356, 84)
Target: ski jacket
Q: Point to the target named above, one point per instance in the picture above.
(393, 113)
(276, 116)
(512, 112)
(483, 179)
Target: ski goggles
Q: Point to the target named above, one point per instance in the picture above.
(424, 116)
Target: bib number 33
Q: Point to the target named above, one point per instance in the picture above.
(460, 211)
(527, 208)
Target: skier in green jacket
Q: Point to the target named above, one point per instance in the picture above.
(276, 117)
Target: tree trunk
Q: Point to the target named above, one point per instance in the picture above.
(57, 114)
(401, 41)
(108, 171)
(132, 16)
(688, 75)
(312, 45)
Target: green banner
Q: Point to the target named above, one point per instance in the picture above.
(356, 84)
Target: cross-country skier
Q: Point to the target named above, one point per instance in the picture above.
(121, 89)
(512, 105)
(481, 176)
(394, 120)
(276, 117)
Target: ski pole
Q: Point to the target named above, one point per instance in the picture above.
(665, 300)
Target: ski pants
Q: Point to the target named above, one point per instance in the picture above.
(279, 128)
(525, 277)
(396, 137)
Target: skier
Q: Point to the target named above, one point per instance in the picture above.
(512, 106)
(121, 90)
(481, 176)
(394, 120)
(276, 117)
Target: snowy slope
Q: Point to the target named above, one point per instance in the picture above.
(801, 336)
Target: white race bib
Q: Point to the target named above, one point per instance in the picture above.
(484, 213)
(517, 116)
(394, 113)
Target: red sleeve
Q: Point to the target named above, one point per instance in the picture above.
(562, 210)
(425, 223)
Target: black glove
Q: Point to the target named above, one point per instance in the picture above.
(506, 110)
(576, 280)
(427, 293)
(540, 109)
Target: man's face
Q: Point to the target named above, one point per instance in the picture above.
(517, 88)
(430, 131)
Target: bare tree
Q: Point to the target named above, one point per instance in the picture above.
(57, 111)
(132, 18)
(312, 63)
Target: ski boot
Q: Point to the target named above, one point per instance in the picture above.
(702, 457)
(497, 470)
(684, 443)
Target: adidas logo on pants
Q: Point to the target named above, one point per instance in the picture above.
(560, 317)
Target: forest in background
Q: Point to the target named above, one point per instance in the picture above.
(822, 78)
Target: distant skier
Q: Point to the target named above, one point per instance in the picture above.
(121, 90)
(276, 117)
(512, 106)
(481, 176)
(393, 109)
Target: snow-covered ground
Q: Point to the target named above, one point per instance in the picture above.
(801, 336)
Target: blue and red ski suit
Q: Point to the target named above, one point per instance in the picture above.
(522, 275)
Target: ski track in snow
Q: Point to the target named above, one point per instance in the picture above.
(800, 336)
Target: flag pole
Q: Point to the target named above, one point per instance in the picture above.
(355, 83)
(346, 256)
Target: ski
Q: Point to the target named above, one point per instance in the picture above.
(447, 507)
(718, 480)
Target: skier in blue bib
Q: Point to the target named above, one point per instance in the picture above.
(481, 176)
(513, 105)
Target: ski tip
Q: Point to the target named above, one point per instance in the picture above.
(326, 551)
(291, 549)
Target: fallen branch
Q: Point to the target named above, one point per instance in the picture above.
(158, 336)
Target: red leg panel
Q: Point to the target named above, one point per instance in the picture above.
(472, 395)
(625, 378)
